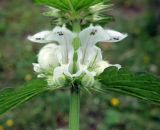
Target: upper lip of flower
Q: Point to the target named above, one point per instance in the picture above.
(88, 53)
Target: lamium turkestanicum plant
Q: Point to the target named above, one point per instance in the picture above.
(71, 59)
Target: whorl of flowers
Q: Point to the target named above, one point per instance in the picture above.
(57, 62)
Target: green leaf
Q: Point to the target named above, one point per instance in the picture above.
(69, 4)
(10, 98)
(82, 11)
(54, 3)
(141, 85)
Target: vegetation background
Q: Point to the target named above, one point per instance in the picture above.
(139, 52)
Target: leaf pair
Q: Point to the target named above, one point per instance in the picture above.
(82, 11)
(69, 4)
(141, 85)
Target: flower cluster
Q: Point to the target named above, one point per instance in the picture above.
(56, 60)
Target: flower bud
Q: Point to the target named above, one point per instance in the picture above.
(100, 66)
(47, 57)
(60, 81)
(54, 81)
(87, 81)
(50, 81)
(36, 67)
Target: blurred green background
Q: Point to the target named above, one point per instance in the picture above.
(139, 52)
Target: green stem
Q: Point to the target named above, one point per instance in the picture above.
(75, 90)
(76, 26)
(76, 29)
(76, 44)
(74, 108)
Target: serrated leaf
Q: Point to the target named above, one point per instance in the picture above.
(10, 98)
(141, 85)
(68, 4)
(84, 11)
(54, 3)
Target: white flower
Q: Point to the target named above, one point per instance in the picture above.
(59, 58)
(41, 37)
(47, 57)
(90, 55)
(101, 65)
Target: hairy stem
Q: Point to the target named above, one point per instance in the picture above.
(74, 108)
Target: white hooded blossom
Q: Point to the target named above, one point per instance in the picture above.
(47, 57)
(55, 60)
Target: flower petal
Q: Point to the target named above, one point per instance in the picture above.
(101, 65)
(47, 57)
(41, 76)
(62, 35)
(114, 36)
(65, 58)
(85, 63)
(36, 67)
(62, 70)
(41, 37)
(89, 56)
(83, 69)
(91, 35)
(94, 34)
(65, 38)
(90, 73)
